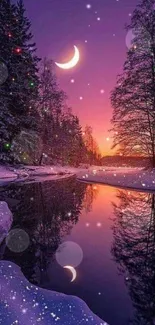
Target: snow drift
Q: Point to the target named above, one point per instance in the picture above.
(23, 303)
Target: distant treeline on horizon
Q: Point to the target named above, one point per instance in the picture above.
(125, 161)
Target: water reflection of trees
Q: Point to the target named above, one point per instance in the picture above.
(90, 195)
(134, 250)
(47, 212)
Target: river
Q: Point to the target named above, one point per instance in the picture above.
(106, 234)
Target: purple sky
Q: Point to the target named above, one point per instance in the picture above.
(57, 25)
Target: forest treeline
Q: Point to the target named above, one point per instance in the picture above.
(36, 124)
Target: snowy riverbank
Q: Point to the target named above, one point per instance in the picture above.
(32, 173)
(23, 303)
(135, 178)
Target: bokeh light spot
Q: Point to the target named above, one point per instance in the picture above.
(129, 38)
(17, 240)
(69, 253)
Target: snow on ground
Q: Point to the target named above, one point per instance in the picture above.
(28, 173)
(6, 220)
(23, 303)
(6, 173)
(136, 178)
(32, 173)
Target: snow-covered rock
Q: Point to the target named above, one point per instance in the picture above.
(6, 219)
(23, 303)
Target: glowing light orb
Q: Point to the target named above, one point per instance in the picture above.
(69, 253)
(98, 224)
(87, 224)
(18, 50)
(17, 240)
(129, 38)
(88, 6)
(7, 146)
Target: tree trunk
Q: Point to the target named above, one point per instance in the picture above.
(40, 160)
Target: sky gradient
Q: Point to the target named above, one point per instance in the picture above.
(100, 36)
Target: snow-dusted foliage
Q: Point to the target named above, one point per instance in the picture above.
(31, 101)
(19, 88)
(27, 147)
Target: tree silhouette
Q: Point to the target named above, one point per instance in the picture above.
(134, 250)
(133, 98)
(93, 154)
(60, 130)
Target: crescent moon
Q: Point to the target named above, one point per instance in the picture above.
(71, 268)
(72, 63)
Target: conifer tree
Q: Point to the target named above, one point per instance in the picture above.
(19, 91)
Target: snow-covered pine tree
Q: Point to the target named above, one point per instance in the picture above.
(27, 64)
(7, 120)
(19, 92)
